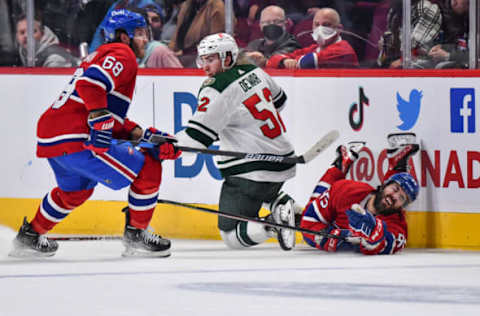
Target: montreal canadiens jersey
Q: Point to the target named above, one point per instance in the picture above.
(332, 198)
(106, 79)
(240, 108)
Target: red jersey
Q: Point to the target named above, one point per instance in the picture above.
(336, 55)
(334, 195)
(106, 79)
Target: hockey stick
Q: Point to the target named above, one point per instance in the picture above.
(83, 237)
(249, 219)
(309, 155)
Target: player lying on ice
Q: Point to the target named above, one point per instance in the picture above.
(370, 220)
(75, 135)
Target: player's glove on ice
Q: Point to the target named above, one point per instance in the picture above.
(163, 148)
(335, 244)
(101, 125)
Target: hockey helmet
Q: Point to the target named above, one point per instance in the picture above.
(407, 183)
(122, 20)
(221, 44)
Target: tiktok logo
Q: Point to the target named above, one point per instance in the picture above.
(356, 109)
(462, 110)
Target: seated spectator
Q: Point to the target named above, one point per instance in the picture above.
(302, 13)
(276, 39)
(378, 27)
(156, 53)
(426, 25)
(252, 27)
(196, 19)
(453, 51)
(172, 7)
(155, 21)
(7, 42)
(47, 51)
(329, 51)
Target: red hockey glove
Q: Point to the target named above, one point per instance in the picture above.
(334, 244)
(163, 150)
(101, 125)
(154, 136)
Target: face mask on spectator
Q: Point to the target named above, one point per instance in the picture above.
(272, 32)
(322, 34)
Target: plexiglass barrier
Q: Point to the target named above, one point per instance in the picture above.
(308, 34)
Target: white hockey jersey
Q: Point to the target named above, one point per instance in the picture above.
(239, 107)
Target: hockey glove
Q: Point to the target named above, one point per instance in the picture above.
(154, 136)
(361, 221)
(101, 125)
(334, 244)
(369, 230)
(163, 150)
(377, 242)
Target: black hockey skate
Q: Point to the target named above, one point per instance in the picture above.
(346, 155)
(402, 147)
(29, 243)
(142, 242)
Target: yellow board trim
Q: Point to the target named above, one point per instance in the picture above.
(426, 229)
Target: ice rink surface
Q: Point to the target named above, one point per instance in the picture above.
(204, 278)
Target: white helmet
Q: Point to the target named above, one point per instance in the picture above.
(221, 43)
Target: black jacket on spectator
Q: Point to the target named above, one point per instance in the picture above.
(455, 35)
(287, 43)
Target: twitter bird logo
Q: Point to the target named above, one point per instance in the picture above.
(409, 110)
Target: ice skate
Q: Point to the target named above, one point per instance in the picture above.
(29, 243)
(142, 242)
(283, 213)
(402, 147)
(346, 155)
(396, 140)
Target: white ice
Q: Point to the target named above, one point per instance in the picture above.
(206, 278)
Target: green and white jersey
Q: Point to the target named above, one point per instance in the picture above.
(239, 107)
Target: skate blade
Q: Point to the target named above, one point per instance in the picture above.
(29, 253)
(401, 139)
(139, 253)
(356, 146)
(287, 239)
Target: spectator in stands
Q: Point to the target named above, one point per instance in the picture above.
(156, 53)
(48, 53)
(453, 51)
(247, 13)
(155, 21)
(196, 19)
(172, 7)
(303, 12)
(426, 19)
(276, 39)
(7, 41)
(329, 51)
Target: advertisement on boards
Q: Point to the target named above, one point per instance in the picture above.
(441, 111)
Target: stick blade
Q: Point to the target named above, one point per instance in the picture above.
(321, 145)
